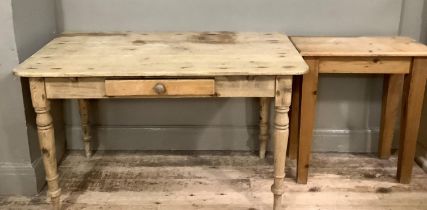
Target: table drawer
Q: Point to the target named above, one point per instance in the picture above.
(164, 87)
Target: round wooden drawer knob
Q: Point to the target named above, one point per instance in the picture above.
(160, 88)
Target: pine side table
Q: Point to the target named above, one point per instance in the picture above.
(404, 64)
(163, 65)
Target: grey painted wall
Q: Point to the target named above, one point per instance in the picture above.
(412, 18)
(345, 122)
(14, 150)
(424, 24)
(25, 27)
(339, 17)
(34, 25)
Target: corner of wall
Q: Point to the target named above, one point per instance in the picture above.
(424, 25)
(410, 20)
(421, 156)
(30, 25)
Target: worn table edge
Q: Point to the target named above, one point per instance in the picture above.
(17, 71)
(46, 75)
(352, 54)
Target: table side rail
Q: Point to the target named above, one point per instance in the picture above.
(365, 65)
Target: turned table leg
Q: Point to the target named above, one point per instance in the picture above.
(264, 133)
(46, 138)
(281, 134)
(84, 122)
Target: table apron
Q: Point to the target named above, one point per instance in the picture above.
(98, 88)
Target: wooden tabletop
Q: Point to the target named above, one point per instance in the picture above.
(359, 46)
(165, 54)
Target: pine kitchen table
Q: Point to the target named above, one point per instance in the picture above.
(163, 65)
(401, 60)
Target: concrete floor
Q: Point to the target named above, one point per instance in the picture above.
(144, 180)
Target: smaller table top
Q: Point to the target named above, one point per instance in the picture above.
(166, 54)
(359, 46)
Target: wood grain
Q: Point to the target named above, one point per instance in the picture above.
(84, 123)
(365, 65)
(412, 104)
(46, 138)
(245, 86)
(235, 86)
(281, 134)
(308, 113)
(367, 55)
(359, 46)
(165, 54)
(228, 181)
(170, 87)
(264, 125)
(392, 96)
(76, 88)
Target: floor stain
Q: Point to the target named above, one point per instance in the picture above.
(383, 190)
(139, 42)
(216, 180)
(314, 189)
(369, 175)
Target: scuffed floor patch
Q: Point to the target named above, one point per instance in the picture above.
(141, 180)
